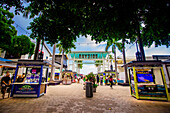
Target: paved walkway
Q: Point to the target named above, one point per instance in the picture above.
(71, 99)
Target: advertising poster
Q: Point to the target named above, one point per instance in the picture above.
(26, 89)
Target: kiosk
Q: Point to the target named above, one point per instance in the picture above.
(147, 80)
(108, 73)
(34, 82)
(67, 76)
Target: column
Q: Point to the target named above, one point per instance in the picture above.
(108, 64)
(103, 63)
(73, 65)
(68, 64)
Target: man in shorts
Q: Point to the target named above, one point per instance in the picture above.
(5, 81)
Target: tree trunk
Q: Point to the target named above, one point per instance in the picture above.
(141, 48)
(124, 62)
(37, 49)
(98, 69)
(53, 61)
(61, 67)
(115, 63)
(140, 41)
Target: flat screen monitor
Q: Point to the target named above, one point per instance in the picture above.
(146, 78)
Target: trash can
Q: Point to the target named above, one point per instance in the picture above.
(89, 89)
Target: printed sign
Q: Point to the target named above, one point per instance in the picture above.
(26, 89)
(152, 91)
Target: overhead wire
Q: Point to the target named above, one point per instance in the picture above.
(128, 48)
(17, 25)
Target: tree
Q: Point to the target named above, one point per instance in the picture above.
(111, 67)
(61, 50)
(7, 31)
(14, 45)
(59, 28)
(101, 19)
(79, 65)
(157, 23)
(18, 4)
(126, 17)
(114, 43)
(124, 61)
(98, 63)
(53, 62)
(20, 45)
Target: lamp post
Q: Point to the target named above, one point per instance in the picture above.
(138, 54)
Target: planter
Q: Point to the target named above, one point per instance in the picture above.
(89, 89)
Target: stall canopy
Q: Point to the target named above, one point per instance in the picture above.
(4, 60)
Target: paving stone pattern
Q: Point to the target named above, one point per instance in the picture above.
(72, 99)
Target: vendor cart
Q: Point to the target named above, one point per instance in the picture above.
(147, 80)
(34, 81)
(108, 73)
(68, 77)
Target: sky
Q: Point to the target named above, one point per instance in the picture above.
(86, 44)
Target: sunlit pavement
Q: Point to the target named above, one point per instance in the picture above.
(72, 99)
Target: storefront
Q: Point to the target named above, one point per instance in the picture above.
(147, 80)
(30, 78)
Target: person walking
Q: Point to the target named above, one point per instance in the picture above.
(101, 80)
(111, 81)
(106, 80)
(97, 77)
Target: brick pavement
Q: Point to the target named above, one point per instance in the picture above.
(71, 99)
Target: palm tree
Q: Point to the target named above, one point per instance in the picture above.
(79, 65)
(53, 61)
(110, 57)
(114, 44)
(124, 61)
(98, 63)
(61, 50)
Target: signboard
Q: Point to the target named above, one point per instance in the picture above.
(25, 89)
(161, 57)
(152, 91)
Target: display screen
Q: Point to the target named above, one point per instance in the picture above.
(145, 78)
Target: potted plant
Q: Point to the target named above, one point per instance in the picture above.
(94, 87)
(91, 77)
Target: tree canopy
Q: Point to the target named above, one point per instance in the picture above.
(20, 45)
(18, 4)
(10, 42)
(7, 30)
(63, 21)
(103, 19)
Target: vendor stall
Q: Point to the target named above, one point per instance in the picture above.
(147, 80)
(166, 66)
(107, 74)
(68, 77)
(30, 78)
